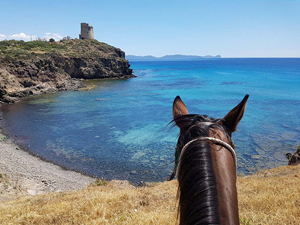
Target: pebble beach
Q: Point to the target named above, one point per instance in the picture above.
(24, 174)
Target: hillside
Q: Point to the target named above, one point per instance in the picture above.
(36, 67)
(268, 197)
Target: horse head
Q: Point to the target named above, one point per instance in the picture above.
(206, 162)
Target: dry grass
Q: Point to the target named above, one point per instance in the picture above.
(270, 197)
(96, 205)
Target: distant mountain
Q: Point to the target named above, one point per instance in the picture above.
(134, 57)
(170, 57)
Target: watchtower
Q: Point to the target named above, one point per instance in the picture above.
(87, 32)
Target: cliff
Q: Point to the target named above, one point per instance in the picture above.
(36, 67)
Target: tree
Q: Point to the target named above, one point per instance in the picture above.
(51, 40)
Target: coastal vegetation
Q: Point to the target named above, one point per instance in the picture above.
(268, 197)
(16, 50)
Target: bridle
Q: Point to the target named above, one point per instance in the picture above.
(214, 141)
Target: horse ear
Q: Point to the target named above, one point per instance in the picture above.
(232, 119)
(179, 108)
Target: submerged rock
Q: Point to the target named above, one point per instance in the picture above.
(295, 158)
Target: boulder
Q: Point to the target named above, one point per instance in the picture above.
(294, 158)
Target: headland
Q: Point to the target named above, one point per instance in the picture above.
(37, 67)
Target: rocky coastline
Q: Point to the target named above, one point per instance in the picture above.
(37, 67)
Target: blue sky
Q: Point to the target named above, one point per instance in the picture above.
(231, 28)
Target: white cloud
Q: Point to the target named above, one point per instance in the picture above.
(55, 36)
(2, 37)
(20, 36)
(58, 36)
(23, 36)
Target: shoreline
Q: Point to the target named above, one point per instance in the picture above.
(267, 197)
(24, 174)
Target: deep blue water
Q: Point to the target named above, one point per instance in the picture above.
(118, 129)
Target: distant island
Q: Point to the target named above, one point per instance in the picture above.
(177, 57)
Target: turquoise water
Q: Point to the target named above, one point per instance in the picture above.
(118, 129)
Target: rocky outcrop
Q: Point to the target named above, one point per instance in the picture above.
(295, 158)
(30, 68)
(89, 68)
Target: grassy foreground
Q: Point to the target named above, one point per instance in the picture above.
(268, 197)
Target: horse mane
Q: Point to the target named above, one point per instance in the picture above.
(197, 190)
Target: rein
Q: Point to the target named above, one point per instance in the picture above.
(214, 141)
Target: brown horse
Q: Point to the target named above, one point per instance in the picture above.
(206, 166)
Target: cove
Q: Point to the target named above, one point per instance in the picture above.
(118, 130)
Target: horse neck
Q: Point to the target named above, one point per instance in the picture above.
(225, 173)
(198, 202)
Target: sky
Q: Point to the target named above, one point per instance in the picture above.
(231, 28)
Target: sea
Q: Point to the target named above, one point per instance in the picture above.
(120, 129)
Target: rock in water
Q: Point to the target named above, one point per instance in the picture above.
(295, 158)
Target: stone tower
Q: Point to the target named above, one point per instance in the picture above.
(87, 32)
